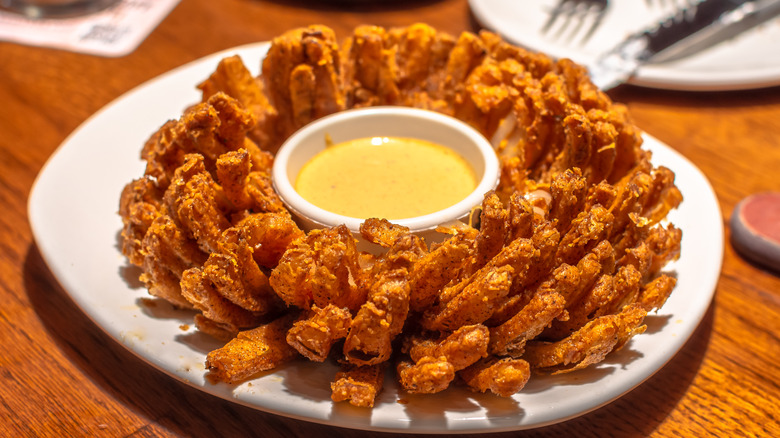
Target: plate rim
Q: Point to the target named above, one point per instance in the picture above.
(39, 206)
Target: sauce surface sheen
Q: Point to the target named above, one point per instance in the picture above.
(385, 177)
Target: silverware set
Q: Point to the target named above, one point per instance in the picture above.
(687, 28)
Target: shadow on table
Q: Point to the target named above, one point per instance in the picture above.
(169, 407)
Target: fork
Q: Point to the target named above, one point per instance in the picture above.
(568, 19)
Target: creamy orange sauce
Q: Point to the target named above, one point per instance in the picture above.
(385, 177)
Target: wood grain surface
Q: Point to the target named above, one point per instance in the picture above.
(61, 376)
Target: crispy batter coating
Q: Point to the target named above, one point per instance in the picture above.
(438, 267)
(260, 349)
(234, 79)
(203, 295)
(460, 348)
(568, 193)
(314, 335)
(510, 337)
(492, 231)
(210, 129)
(521, 218)
(321, 268)
(573, 282)
(379, 320)
(168, 253)
(194, 200)
(655, 293)
(503, 377)
(269, 235)
(545, 240)
(434, 361)
(428, 375)
(236, 276)
(587, 230)
(358, 384)
(588, 345)
(139, 206)
(560, 269)
(301, 76)
(474, 303)
(246, 181)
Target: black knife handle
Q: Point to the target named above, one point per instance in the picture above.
(688, 22)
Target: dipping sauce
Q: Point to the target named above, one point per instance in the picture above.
(385, 177)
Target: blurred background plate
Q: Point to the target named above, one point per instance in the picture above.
(751, 60)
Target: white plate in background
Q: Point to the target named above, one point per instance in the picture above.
(750, 60)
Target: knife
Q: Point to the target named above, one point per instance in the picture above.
(688, 31)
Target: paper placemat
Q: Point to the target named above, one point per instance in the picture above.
(115, 31)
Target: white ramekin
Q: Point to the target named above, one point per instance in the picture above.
(384, 121)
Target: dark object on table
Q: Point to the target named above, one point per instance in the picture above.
(755, 229)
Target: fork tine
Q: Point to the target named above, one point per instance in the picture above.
(568, 18)
(598, 16)
(581, 11)
(562, 16)
(555, 13)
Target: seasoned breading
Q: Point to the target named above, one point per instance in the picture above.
(379, 320)
(139, 205)
(492, 231)
(358, 384)
(210, 129)
(383, 315)
(433, 362)
(501, 376)
(269, 235)
(588, 345)
(234, 79)
(654, 294)
(547, 303)
(558, 268)
(428, 375)
(587, 230)
(314, 335)
(167, 254)
(252, 351)
(474, 303)
(321, 268)
(461, 348)
(246, 181)
(433, 271)
(521, 218)
(195, 201)
(568, 193)
(203, 295)
(301, 76)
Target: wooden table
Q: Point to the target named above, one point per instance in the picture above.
(61, 376)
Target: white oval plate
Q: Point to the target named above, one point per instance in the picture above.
(748, 61)
(73, 213)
